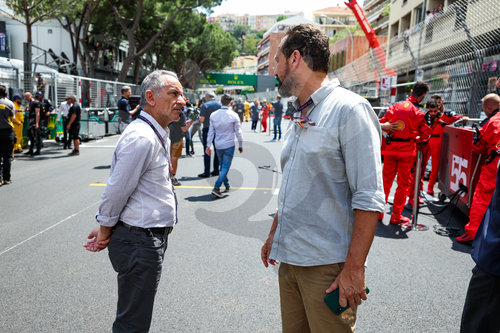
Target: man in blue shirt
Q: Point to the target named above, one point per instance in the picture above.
(124, 108)
(206, 110)
(482, 305)
(278, 112)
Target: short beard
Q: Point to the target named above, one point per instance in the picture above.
(286, 86)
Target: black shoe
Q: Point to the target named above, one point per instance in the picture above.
(203, 175)
(192, 152)
(214, 173)
(227, 188)
(37, 153)
(74, 153)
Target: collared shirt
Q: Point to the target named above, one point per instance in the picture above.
(224, 125)
(329, 170)
(139, 191)
(63, 110)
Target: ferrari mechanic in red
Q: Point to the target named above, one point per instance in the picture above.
(406, 126)
(488, 146)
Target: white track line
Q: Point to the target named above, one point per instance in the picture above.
(47, 229)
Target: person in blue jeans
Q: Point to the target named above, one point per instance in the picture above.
(278, 113)
(224, 127)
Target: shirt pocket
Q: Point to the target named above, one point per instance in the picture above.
(322, 149)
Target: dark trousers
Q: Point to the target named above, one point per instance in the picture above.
(482, 305)
(35, 138)
(254, 124)
(137, 257)
(7, 140)
(187, 136)
(66, 140)
(206, 158)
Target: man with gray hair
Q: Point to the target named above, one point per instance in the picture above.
(139, 207)
(124, 111)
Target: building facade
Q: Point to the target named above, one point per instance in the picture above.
(377, 14)
(334, 19)
(267, 47)
(255, 22)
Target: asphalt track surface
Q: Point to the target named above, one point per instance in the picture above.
(213, 279)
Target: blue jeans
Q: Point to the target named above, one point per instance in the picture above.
(225, 159)
(277, 127)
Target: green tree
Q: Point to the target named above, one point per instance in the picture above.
(240, 30)
(191, 46)
(281, 17)
(133, 16)
(251, 45)
(77, 21)
(35, 11)
(219, 90)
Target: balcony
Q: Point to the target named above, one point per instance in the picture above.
(445, 38)
(370, 3)
(375, 13)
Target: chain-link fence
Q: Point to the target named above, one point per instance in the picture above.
(98, 99)
(456, 50)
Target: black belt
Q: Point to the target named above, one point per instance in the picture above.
(435, 136)
(400, 140)
(164, 230)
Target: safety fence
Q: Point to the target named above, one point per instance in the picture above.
(93, 93)
(456, 50)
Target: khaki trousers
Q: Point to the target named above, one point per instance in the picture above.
(303, 310)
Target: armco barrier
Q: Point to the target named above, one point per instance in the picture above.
(112, 121)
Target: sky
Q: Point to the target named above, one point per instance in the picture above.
(265, 7)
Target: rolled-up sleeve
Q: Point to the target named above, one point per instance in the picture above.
(360, 138)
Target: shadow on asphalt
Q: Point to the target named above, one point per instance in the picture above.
(451, 222)
(245, 225)
(189, 179)
(101, 167)
(203, 198)
(391, 231)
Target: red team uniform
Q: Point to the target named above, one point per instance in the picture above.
(400, 150)
(489, 140)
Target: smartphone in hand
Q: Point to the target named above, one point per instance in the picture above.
(332, 300)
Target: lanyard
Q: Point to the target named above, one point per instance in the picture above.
(156, 132)
(305, 105)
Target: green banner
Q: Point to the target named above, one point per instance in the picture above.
(229, 79)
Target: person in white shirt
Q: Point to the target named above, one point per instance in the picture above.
(63, 112)
(224, 126)
(139, 208)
